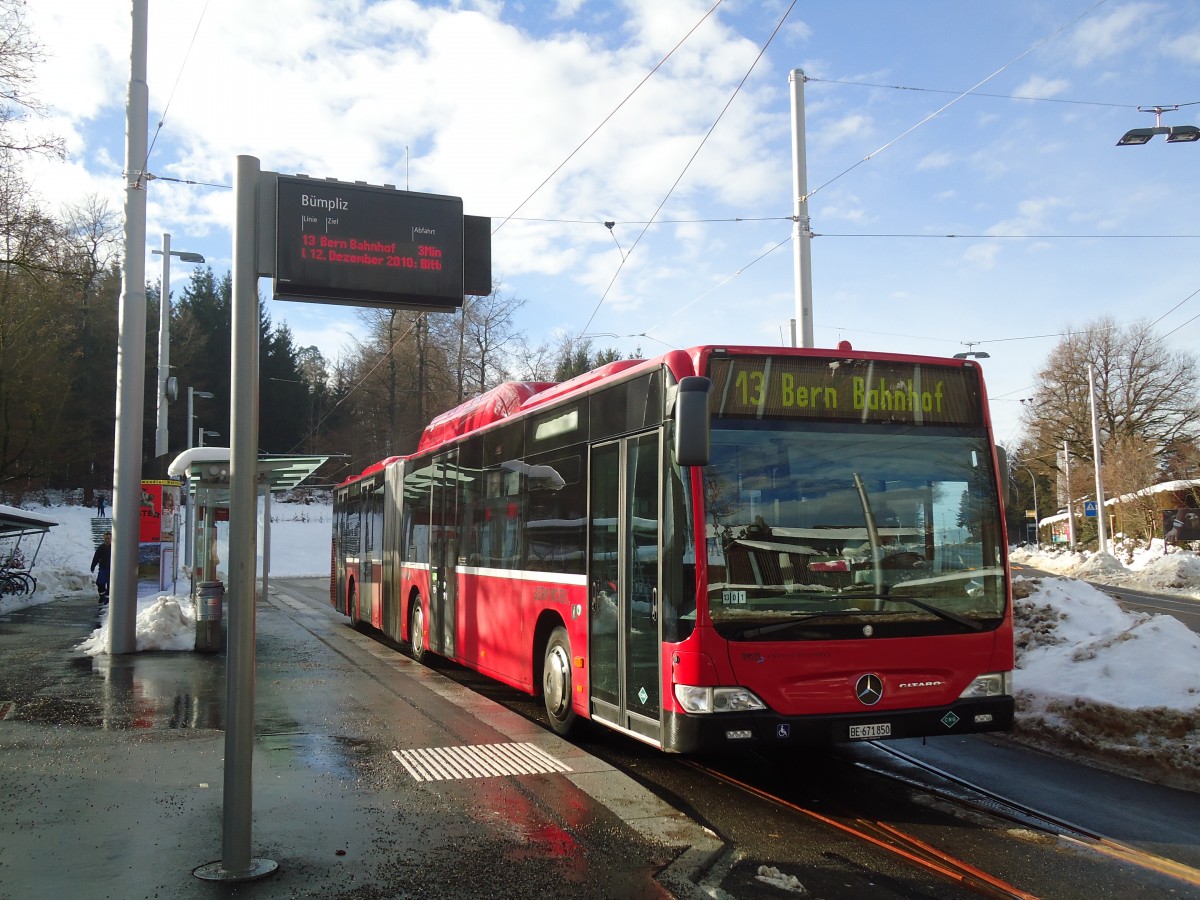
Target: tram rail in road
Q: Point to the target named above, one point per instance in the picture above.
(890, 839)
(977, 799)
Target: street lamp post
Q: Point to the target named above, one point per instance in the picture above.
(191, 423)
(205, 432)
(164, 339)
(1100, 523)
(1036, 519)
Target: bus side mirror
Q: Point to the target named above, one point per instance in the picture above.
(691, 421)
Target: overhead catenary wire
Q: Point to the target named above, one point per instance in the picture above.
(607, 118)
(959, 97)
(691, 159)
(163, 118)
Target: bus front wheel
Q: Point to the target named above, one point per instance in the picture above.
(556, 682)
(416, 629)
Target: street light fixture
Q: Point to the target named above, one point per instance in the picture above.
(204, 432)
(165, 390)
(972, 352)
(1176, 134)
(191, 424)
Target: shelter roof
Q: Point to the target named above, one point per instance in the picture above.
(16, 522)
(211, 465)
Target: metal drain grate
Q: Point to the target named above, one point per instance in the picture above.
(478, 761)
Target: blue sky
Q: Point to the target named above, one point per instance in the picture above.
(1055, 225)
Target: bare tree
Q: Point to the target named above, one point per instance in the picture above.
(19, 52)
(486, 332)
(1143, 388)
(1128, 468)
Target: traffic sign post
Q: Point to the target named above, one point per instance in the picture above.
(1090, 509)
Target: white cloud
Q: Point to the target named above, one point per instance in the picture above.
(849, 126)
(1041, 87)
(1112, 32)
(938, 159)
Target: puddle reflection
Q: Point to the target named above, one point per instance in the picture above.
(161, 690)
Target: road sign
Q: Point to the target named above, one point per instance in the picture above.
(1089, 508)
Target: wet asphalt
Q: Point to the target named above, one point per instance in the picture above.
(111, 777)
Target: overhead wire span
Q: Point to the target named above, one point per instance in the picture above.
(163, 118)
(606, 119)
(721, 283)
(691, 159)
(960, 96)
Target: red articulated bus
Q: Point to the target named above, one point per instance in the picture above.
(720, 547)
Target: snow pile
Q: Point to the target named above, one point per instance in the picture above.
(1128, 565)
(1177, 572)
(163, 623)
(1120, 688)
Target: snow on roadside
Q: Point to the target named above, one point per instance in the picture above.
(1121, 689)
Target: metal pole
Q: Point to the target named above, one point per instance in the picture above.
(1070, 499)
(131, 355)
(266, 554)
(190, 424)
(802, 230)
(1033, 483)
(1100, 523)
(164, 348)
(243, 522)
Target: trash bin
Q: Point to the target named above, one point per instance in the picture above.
(210, 598)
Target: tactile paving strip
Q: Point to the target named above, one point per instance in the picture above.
(477, 761)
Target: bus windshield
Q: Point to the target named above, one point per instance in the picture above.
(819, 530)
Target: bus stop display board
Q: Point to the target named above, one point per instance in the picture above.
(363, 245)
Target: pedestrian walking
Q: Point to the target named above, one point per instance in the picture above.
(101, 565)
(100, 500)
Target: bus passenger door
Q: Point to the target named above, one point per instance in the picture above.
(624, 536)
(443, 554)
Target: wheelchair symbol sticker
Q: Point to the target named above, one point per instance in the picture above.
(783, 731)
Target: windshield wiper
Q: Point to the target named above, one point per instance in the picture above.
(795, 619)
(965, 621)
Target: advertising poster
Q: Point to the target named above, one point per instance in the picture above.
(1181, 525)
(157, 526)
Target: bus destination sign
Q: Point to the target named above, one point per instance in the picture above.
(838, 389)
(362, 245)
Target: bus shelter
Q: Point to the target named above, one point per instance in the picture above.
(205, 472)
(21, 534)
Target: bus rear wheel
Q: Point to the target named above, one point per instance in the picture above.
(556, 682)
(416, 629)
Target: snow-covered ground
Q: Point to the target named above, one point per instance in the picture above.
(1122, 689)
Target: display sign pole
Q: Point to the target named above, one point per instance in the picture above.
(236, 864)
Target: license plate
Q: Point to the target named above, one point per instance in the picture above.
(865, 732)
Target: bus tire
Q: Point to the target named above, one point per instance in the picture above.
(556, 682)
(416, 629)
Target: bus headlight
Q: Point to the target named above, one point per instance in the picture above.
(993, 684)
(716, 699)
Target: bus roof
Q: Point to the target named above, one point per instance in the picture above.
(491, 406)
